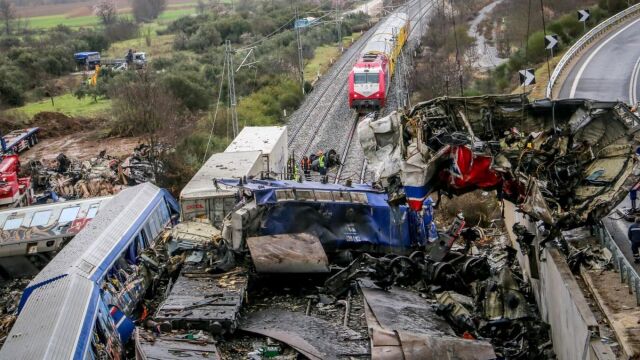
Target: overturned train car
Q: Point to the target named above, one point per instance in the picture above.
(79, 305)
(565, 162)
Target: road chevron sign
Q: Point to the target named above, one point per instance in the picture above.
(527, 77)
(583, 15)
(551, 42)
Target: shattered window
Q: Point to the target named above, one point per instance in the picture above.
(373, 78)
(341, 196)
(284, 195)
(358, 197)
(93, 210)
(68, 215)
(360, 78)
(305, 195)
(324, 195)
(12, 224)
(41, 218)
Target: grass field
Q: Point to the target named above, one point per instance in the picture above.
(69, 105)
(173, 12)
(323, 56)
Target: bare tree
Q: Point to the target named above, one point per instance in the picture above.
(147, 10)
(106, 11)
(7, 14)
(146, 108)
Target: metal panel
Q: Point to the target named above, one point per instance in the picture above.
(50, 319)
(219, 166)
(288, 253)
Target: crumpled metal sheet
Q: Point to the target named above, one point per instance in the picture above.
(314, 338)
(503, 298)
(288, 253)
(535, 204)
(403, 310)
(390, 345)
(403, 325)
(171, 347)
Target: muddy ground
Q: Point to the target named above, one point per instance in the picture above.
(77, 137)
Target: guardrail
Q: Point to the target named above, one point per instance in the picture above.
(586, 40)
(628, 274)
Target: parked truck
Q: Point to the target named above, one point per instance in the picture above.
(14, 191)
(18, 141)
(88, 60)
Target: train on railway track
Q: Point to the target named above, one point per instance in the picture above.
(371, 76)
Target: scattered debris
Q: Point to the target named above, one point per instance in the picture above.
(10, 293)
(151, 346)
(564, 162)
(314, 338)
(99, 176)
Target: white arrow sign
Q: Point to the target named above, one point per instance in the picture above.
(551, 41)
(527, 77)
(583, 15)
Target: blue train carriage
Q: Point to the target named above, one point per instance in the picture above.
(77, 307)
(355, 217)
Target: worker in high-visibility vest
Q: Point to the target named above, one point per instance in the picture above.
(94, 78)
(322, 168)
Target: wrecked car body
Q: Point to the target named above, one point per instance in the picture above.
(564, 162)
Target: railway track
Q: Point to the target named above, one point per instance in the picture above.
(325, 121)
(354, 166)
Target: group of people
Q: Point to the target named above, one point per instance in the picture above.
(318, 162)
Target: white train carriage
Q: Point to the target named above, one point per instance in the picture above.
(44, 228)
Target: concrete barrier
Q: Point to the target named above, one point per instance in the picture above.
(574, 328)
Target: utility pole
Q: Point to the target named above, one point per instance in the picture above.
(300, 58)
(231, 82)
(339, 25)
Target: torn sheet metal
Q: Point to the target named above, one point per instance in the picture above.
(403, 310)
(391, 344)
(288, 253)
(314, 338)
(210, 302)
(173, 347)
(503, 299)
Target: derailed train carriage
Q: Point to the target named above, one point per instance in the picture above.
(371, 76)
(564, 162)
(77, 307)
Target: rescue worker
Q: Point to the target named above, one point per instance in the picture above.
(322, 168)
(305, 164)
(634, 237)
(129, 59)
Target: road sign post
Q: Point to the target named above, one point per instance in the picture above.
(551, 42)
(583, 16)
(527, 77)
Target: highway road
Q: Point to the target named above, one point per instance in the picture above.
(609, 70)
